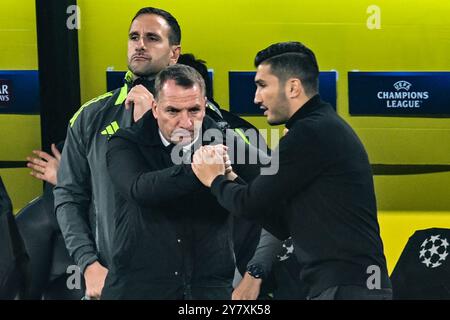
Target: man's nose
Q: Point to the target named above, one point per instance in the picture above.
(257, 98)
(140, 44)
(185, 121)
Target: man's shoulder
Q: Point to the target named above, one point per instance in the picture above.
(316, 120)
(209, 123)
(99, 105)
(142, 132)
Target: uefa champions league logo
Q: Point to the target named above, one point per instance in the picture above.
(402, 85)
(402, 97)
(433, 251)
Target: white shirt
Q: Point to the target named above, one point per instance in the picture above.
(185, 148)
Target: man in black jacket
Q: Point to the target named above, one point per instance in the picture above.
(173, 240)
(322, 195)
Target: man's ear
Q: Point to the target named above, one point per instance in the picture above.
(154, 111)
(206, 105)
(294, 88)
(175, 52)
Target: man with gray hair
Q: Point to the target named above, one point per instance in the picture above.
(173, 240)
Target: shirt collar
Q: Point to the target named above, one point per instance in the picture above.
(166, 142)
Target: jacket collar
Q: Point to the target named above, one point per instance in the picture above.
(129, 83)
(310, 106)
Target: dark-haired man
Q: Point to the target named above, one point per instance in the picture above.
(322, 195)
(153, 43)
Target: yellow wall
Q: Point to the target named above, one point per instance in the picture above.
(19, 134)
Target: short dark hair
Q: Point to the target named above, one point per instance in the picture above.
(291, 60)
(183, 76)
(189, 59)
(175, 30)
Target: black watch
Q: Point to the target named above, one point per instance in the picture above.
(256, 271)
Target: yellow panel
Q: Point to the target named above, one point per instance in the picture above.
(413, 192)
(18, 35)
(407, 146)
(21, 186)
(19, 135)
(397, 227)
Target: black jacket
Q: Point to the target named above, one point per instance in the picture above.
(322, 195)
(173, 240)
(14, 260)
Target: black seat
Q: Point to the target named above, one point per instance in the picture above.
(49, 258)
(423, 270)
(14, 261)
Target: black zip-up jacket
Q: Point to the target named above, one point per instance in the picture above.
(323, 196)
(173, 240)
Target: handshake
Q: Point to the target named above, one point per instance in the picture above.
(212, 161)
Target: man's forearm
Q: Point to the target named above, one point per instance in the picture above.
(134, 179)
(77, 233)
(266, 251)
(152, 188)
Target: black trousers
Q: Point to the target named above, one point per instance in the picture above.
(352, 292)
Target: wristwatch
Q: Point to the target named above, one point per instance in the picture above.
(256, 271)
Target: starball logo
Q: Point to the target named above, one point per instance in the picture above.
(5, 92)
(405, 85)
(403, 97)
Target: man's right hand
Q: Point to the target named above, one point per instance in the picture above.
(94, 276)
(141, 99)
(247, 289)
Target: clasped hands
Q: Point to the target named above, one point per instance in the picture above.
(211, 161)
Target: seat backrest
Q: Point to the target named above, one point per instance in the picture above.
(49, 258)
(423, 270)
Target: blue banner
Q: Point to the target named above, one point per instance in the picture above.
(418, 94)
(114, 79)
(19, 91)
(242, 91)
